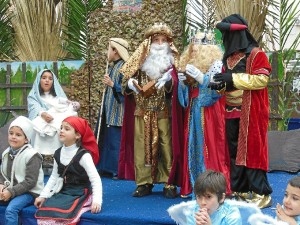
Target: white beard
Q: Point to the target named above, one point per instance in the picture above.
(160, 58)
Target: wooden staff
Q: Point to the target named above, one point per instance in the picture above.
(102, 100)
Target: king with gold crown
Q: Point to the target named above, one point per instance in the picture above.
(153, 122)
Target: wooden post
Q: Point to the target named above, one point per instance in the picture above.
(24, 90)
(274, 84)
(8, 73)
(55, 69)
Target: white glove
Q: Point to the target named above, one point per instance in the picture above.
(195, 73)
(132, 86)
(165, 78)
(181, 77)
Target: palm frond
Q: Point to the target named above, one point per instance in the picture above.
(201, 14)
(37, 30)
(282, 17)
(6, 34)
(185, 25)
(76, 28)
(288, 13)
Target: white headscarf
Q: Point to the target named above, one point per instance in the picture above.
(35, 102)
(25, 124)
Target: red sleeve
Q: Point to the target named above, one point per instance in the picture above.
(260, 64)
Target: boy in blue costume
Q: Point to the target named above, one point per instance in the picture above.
(109, 132)
(210, 206)
(289, 212)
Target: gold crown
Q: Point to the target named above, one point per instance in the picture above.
(203, 38)
(159, 28)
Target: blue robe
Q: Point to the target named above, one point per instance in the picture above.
(45, 144)
(206, 97)
(112, 120)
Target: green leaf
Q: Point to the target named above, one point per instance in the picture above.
(76, 29)
(6, 34)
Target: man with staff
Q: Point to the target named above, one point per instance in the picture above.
(112, 109)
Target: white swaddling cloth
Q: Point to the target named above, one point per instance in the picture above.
(59, 108)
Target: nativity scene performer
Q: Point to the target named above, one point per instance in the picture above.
(204, 125)
(151, 143)
(244, 82)
(48, 106)
(108, 133)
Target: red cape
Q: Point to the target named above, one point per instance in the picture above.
(217, 157)
(126, 161)
(215, 151)
(252, 149)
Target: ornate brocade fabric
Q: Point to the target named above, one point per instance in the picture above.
(233, 60)
(234, 98)
(155, 103)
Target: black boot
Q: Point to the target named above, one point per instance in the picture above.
(143, 190)
(170, 191)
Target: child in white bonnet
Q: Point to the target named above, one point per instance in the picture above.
(21, 177)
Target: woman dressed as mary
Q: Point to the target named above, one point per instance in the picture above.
(47, 107)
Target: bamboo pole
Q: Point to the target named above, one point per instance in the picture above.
(102, 100)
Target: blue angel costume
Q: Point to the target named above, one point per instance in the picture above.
(228, 213)
(297, 218)
(259, 218)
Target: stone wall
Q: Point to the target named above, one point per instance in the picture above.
(131, 26)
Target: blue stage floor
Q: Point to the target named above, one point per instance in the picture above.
(120, 208)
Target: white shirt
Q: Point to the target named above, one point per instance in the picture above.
(86, 161)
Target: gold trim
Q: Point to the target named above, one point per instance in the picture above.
(234, 98)
(233, 60)
(136, 59)
(159, 28)
(222, 91)
(242, 151)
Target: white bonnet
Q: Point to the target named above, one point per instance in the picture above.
(25, 124)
